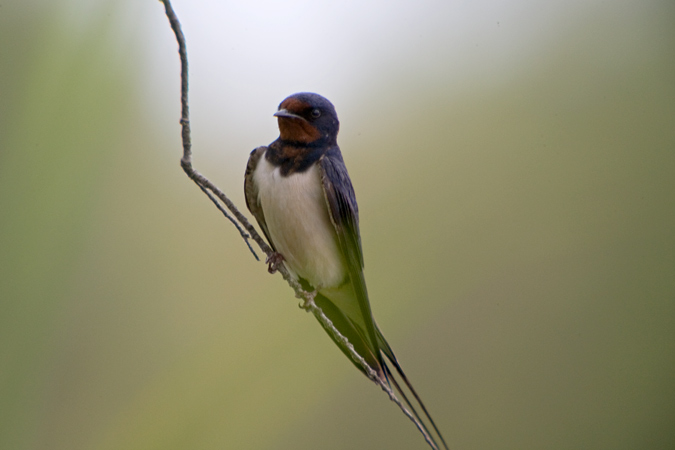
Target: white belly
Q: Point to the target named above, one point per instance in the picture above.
(299, 225)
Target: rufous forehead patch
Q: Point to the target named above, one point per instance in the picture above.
(294, 105)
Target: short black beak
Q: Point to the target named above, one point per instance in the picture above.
(287, 114)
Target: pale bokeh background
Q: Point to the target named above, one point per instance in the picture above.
(515, 168)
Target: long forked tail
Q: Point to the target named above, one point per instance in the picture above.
(376, 356)
(420, 422)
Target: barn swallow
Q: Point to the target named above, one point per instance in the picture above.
(299, 191)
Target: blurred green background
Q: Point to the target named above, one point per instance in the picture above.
(515, 168)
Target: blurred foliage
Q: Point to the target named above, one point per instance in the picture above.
(61, 119)
(519, 245)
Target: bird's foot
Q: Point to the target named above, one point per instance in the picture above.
(274, 261)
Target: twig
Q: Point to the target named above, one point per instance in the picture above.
(186, 161)
(216, 195)
(230, 218)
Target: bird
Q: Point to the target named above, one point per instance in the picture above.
(300, 193)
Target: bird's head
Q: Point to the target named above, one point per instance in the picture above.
(307, 118)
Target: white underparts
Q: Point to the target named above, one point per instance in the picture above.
(297, 219)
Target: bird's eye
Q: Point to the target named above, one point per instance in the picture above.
(316, 113)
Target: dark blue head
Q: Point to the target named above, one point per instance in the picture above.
(307, 118)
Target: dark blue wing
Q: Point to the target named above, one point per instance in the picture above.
(369, 343)
(251, 192)
(344, 213)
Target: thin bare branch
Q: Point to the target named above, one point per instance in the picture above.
(185, 110)
(230, 218)
(186, 160)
